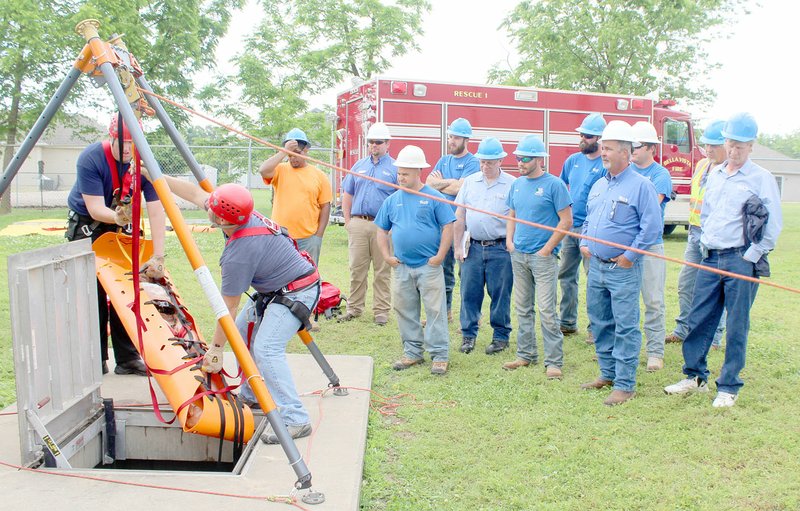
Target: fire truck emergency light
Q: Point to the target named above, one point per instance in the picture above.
(420, 90)
(399, 88)
(622, 104)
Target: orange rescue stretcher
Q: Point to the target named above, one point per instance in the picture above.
(203, 403)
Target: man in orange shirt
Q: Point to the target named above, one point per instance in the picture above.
(302, 199)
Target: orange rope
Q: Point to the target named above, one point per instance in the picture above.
(478, 210)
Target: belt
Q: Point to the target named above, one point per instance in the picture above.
(723, 251)
(606, 261)
(489, 243)
(364, 217)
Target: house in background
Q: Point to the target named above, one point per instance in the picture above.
(785, 169)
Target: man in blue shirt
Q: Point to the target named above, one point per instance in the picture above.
(654, 270)
(447, 177)
(99, 202)
(725, 247)
(480, 247)
(421, 234)
(540, 197)
(580, 171)
(361, 200)
(622, 208)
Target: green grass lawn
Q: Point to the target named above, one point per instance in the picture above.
(491, 439)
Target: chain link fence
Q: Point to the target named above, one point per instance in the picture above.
(47, 176)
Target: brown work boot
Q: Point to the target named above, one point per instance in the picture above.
(553, 373)
(618, 397)
(381, 319)
(599, 383)
(347, 317)
(654, 364)
(673, 338)
(439, 368)
(405, 363)
(516, 364)
(568, 331)
(589, 337)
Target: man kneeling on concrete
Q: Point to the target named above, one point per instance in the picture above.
(421, 232)
(259, 253)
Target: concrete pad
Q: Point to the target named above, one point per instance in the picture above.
(334, 455)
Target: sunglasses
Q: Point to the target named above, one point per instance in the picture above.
(587, 137)
(525, 159)
(377, 142)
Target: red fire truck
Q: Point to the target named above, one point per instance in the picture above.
(418, 112)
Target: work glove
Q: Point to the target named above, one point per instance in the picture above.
(212, 361)
(153, 268)
(123, 216)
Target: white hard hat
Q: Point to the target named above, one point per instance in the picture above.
(411, 157)
(645, 133)
(618, 130)
(379, 131)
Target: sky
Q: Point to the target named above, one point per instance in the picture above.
(758, 73)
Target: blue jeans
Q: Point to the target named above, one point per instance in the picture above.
(312, 245)
(448, 265)
(654, 279)
(713, 293)
(268, 346)
(536, 275)
(568, 277)
(488, 266)
(686, 281)
(612, 297)
(424, 286)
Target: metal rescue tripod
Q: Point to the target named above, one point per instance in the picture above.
(110, 63)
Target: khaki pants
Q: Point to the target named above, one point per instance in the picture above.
(363, 248)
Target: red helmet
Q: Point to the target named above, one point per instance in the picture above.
(231, 202)
(113, 129)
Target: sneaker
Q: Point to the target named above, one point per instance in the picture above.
(381, 319)
(135, 366)
(269, 436)
(568, 330)
(516, 364)
(553, 373)
(686, 386)
(724, 400)
(467, 345)
(673, 338)
(347, 317)
(439, 368)
(654, 364)
(405, 363)
(496, 347)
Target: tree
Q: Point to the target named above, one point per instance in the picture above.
(788, 144)
(303, 47)
(170, 38)
(615, 46)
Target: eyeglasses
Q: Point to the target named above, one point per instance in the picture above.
(587, 136)
(376, 142)
(525, 159)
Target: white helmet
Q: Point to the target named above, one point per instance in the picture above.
(618, 130)
(379, 131)
(411, 157)
(645, 133)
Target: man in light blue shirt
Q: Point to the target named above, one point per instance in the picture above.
(725, 247)
(580, 171)
(361, 200)
(486, 263)
(447, 178)
(537, 196)
(654, 270)
(421, 234)
(622, 208)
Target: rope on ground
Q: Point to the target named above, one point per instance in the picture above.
(717, 271)
(283, 499)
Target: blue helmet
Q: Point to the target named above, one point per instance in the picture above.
(593, 124)
(531, 145)
(296, 134)
(741, 127)
(712, 134)
(490, 149)
(460, 128)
